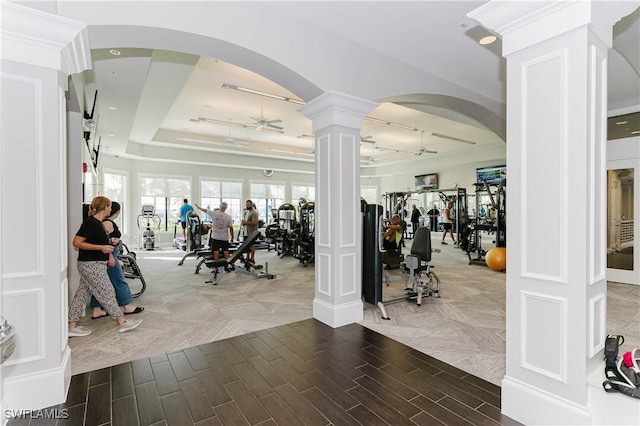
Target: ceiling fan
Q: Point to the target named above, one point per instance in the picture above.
(422, 149)
(262, 122)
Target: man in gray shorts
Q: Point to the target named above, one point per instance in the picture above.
(250, 223)
(221, 229)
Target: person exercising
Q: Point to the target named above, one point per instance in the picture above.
(392, 234)
(184, 210)
(250, 223)
(221, 230)
(447, 222)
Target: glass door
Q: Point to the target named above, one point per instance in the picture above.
(622, 218)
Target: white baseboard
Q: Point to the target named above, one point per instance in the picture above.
(338, 315)
(38, 390)
(532, 406)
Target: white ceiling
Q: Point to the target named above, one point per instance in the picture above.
(157, 97)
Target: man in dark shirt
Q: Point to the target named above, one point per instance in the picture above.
(433, 214)
(415, 219)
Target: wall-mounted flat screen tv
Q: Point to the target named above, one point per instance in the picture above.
(428, 181)
(491, 174)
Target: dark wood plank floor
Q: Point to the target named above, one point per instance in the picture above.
(300, 373)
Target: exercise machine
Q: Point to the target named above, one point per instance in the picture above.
(304, 236)
(147, 238)
(420, 280)
(195, 230)
(129, 264)
(221, 266)
(280, 232)
(492, 222)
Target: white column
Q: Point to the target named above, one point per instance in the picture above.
(556, 131)
(337, 120)
(39, 51)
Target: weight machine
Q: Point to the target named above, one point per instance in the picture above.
(417, 274)
(304, 236)
(280, 233)
(492, 222)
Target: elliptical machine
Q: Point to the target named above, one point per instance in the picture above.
(148, 237)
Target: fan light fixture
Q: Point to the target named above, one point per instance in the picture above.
(422, 149)
(389, 123)
(260, 93)
(453, 138)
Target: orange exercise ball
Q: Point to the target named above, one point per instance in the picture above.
(496, 258)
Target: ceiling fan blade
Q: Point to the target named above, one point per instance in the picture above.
(273, 121)
(268, 124)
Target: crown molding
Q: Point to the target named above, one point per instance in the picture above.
(38, 38)
(522, 23)
(335, 108)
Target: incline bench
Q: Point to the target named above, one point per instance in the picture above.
(221, 266)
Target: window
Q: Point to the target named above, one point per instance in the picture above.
(90, 187)
(303, 191)
(166, 195)
(267, 197)
(213, 192)
(370, 193)
(115, 188)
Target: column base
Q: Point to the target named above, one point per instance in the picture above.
(39, 390)
(529, 405)
(338, 315)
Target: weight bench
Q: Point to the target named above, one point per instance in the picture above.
(206, 255)
(221, 266)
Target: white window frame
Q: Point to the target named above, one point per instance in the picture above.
(234, 211)
(122, 221)
(307, 187)
(166, 220)
(263, 214)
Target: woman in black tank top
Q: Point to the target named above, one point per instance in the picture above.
(116, 274)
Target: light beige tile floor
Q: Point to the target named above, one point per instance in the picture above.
(464, 327)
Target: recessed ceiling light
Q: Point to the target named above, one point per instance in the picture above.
(115, 52)
(619, 123)
(636, 132)
(112, 108)
(112, 134)
(488, 40)
(113, 73)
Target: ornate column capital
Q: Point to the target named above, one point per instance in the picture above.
(522, 23)
(335, 108)
(38, 38)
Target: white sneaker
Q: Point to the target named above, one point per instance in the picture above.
(79, 331)
(129, 325)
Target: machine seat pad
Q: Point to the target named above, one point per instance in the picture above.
(220, 263)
